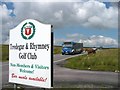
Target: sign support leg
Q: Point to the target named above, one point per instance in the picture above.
(43, 88)
(15, 86)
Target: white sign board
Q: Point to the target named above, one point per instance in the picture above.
(30, 54)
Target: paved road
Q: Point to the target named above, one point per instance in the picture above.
(0, 75)
(62, 74)
(5, 71)
(65, 75)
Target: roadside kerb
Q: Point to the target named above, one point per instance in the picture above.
(68, 58)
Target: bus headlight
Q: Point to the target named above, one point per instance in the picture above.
(72, 50)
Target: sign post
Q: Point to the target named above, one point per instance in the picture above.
(15, 87)
(31, 54)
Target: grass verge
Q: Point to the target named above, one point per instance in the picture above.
(104, 60)
(4, 53)
(57, 49)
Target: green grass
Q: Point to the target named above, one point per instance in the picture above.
(5, 52)
(104, 60)
(0, 52)
(57, 49)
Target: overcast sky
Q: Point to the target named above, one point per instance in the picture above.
(91, 22)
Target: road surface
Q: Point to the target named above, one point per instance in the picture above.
(62, 74)
(71, 76)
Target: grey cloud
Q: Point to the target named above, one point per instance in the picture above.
(91, 14)
(90, 41)
(99, 41)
